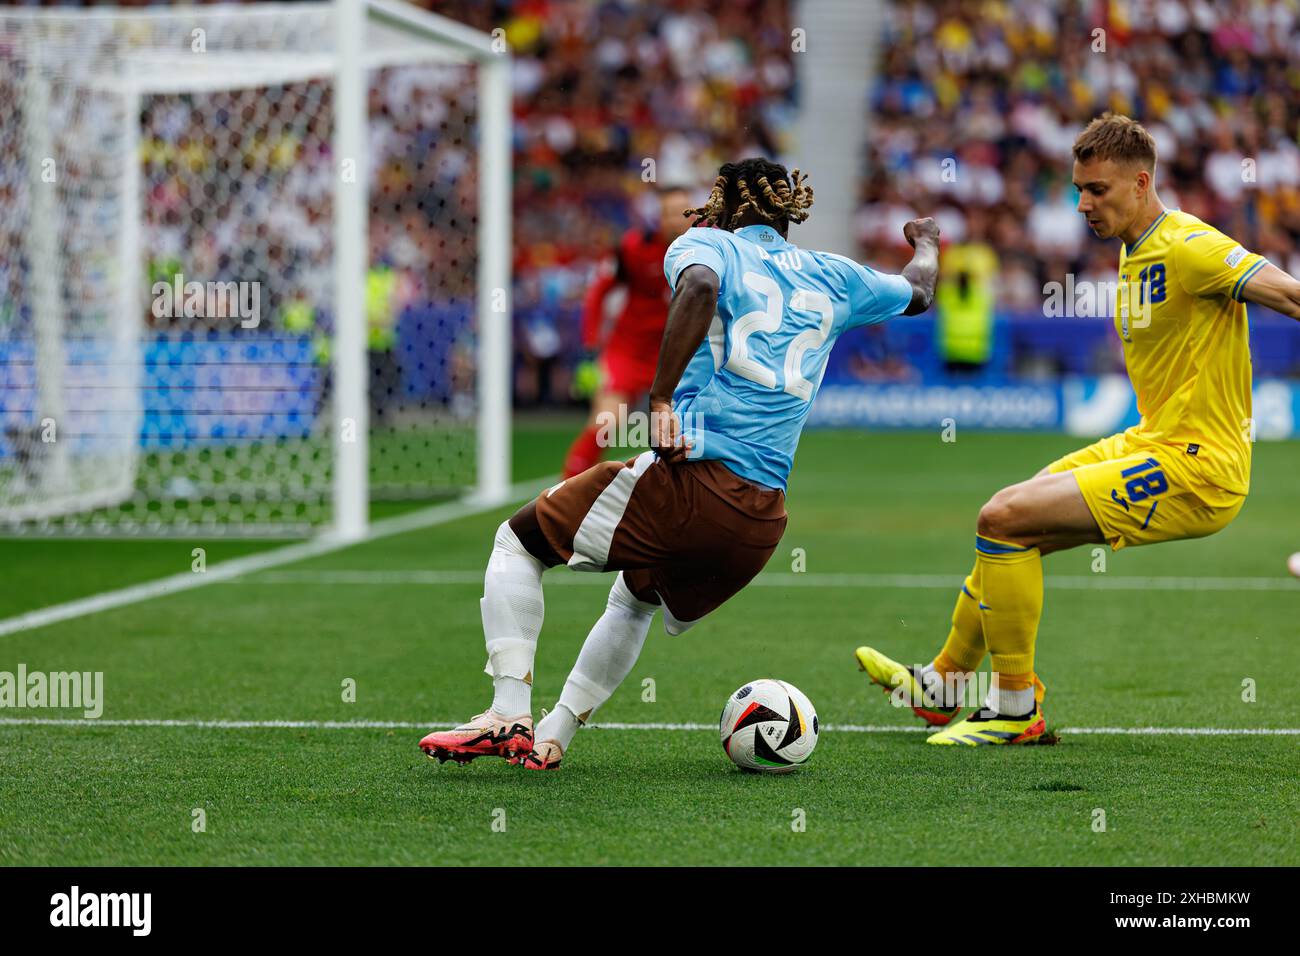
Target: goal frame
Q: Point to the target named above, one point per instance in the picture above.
(349, 66)
(492, 457)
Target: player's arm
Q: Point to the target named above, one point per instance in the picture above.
(695, 299)
(1274, 289)
(923, 271)
(1209, 263)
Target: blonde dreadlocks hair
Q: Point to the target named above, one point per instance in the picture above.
(756, 184)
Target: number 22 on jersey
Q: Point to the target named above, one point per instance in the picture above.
(768, 320)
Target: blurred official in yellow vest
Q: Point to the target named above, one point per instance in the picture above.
(382, 311)
(298, 317)
(965, 301)
(383, 307)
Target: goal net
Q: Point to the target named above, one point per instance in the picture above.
(247, 262)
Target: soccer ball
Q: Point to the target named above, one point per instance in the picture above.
(768, 726)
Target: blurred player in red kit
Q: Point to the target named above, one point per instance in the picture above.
(629, 346)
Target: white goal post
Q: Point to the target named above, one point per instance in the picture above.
(254, 266)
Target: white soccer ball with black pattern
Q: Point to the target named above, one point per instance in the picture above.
(768, 726)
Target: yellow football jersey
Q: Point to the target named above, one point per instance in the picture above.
(1181, 317)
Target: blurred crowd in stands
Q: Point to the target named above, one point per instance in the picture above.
(998, 89)
(602, 87)
(973, 115)
(599, 89)
(978, 104)
(973, 111)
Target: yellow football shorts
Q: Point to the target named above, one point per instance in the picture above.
(1144, 493)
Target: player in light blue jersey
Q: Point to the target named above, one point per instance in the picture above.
(752, 322)
(748, 387)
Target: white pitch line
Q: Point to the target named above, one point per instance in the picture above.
(613, 725)
(254, 563)
(1097, 582)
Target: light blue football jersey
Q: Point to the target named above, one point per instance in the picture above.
(747, 391)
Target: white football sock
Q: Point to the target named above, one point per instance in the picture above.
(511, 696)
(512, 609)
(947, 691)
(607, 656)
(1010, 703)
(559, 725)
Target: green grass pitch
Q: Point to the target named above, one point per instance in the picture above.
(280, 645)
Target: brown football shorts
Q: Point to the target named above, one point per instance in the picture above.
(691, 533)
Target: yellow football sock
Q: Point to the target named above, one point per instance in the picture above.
(1011, 599)
(963, 652)
(1008, 681)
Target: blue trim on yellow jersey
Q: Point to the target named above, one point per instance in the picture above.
(1241, 283)
(1150, 513)
(989, 546)
(1149, 230)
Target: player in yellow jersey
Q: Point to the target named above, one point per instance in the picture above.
(1182, 472)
